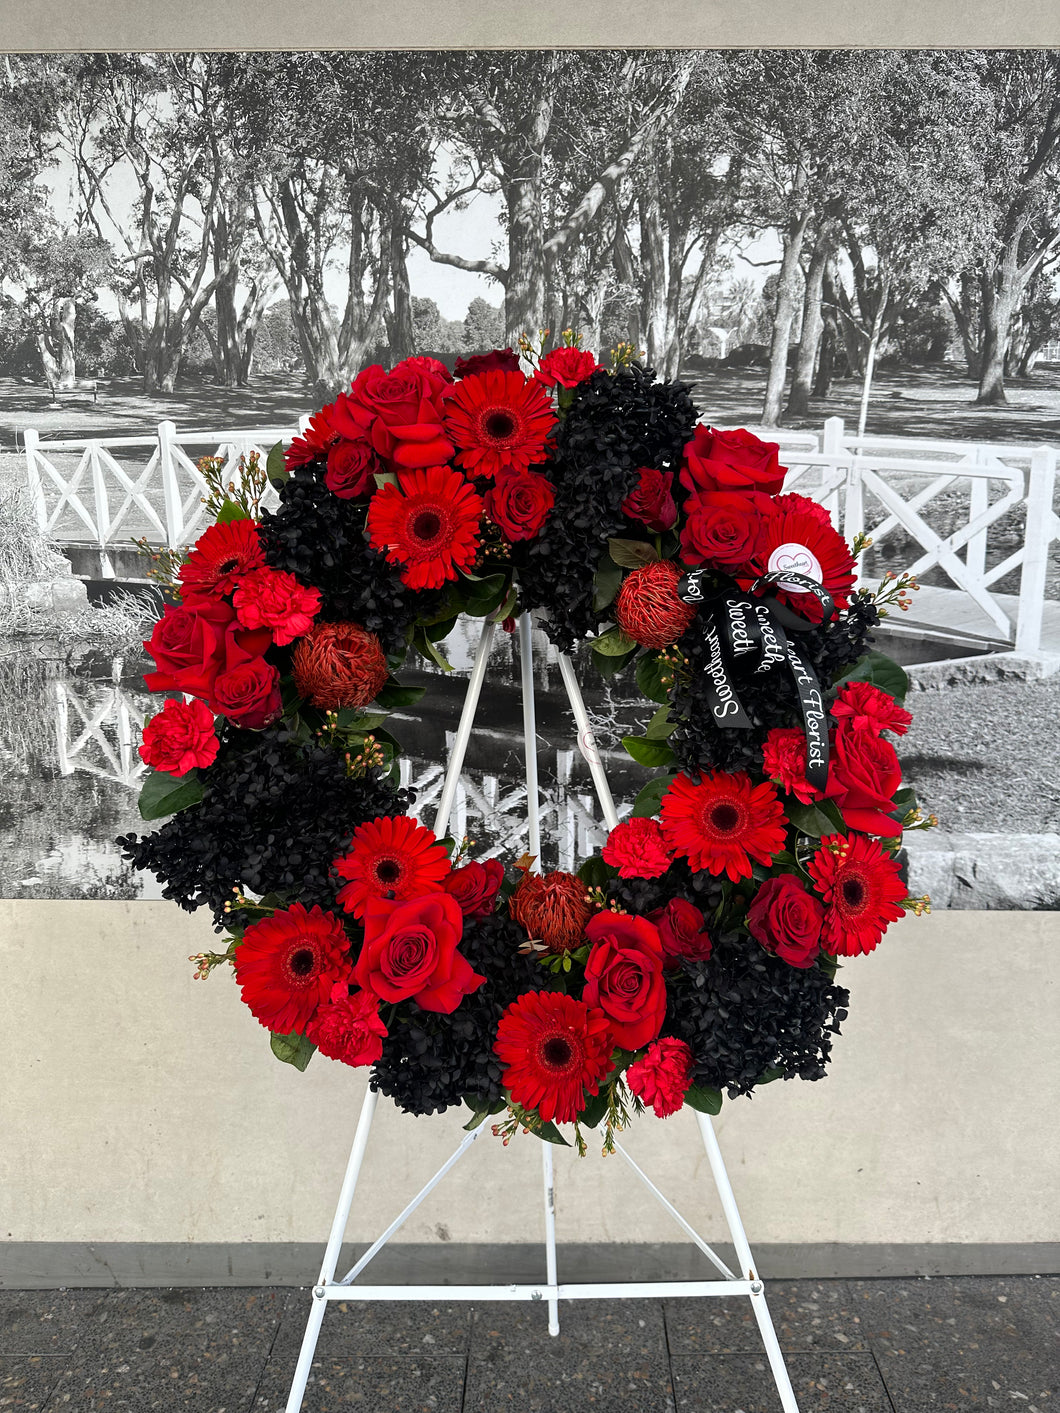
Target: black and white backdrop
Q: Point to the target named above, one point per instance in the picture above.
(858, 249)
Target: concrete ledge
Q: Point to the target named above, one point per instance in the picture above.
(981, 667)
(46, 1265)
(985, 871)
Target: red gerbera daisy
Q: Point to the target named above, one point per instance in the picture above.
(220, 557)
(805, 543)
(390, 858)
(429, 523)
(862, 886)
(314, 441)
(557, 1050)
(720, 824)
(500, 422)
(287, 964)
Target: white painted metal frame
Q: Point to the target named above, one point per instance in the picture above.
(744, 1283)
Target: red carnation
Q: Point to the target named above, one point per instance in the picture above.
(784, 761)
(249, 695)
(274, 599)
(787, 920)
(731, 461)
(219, 559)
(863, 777)
(682, 931)
(338, 665)
(475, 886)
(652, 502)
(499, 421)
(410, 950)
(348, 1027)
(180, 738)
(863, 889)
(351, 469)
(566, 366)
(865, 708)
(557, 1050)
(635, 847)
(428, 524)
(624, 976)
(287, 964)
(519, 503)
(390, 857)
(723, 822)
(400, 412)
(661, 1076)
(193, 645)
(722, 527)
(648, 608)
(506, 360)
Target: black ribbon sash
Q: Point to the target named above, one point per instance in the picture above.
(748, 637)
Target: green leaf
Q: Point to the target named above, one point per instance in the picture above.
(427, 649)
(660, 726)
(879, 670)
(650, 668)
(293, 1049)
(594, 873)
(610, 666)
(607, 583)
(645, 752)
(632, 554)
(768, 1076)
(275, 465)
(815, 820)
(162, 795)
(385, 478)
(392, 695)
(828, 964)
(550, 1133)
(649, 801)
(704, 1100)
(441, 629)
(613, 643)
(595, 1109)
(231, 511)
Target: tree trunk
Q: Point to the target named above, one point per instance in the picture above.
(399, 323)
(654, 291)
(623, 257)
(783, 315)
(874, 343)
(822, 383)
(812, 325)
(1000, 295)
(524, 289)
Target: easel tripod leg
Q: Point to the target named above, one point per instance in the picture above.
(747, 1265)
(550, 1235)
(331, 1254)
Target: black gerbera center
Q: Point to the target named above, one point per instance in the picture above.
(302, 961)
(426, 524)
(228, 565)
(557, 1052)
(725, 818)
(388, 870)
(853, 892)
(499, 424)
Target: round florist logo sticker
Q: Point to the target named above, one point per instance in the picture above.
(794, 559)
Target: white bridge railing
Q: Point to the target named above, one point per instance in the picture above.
(992, 507)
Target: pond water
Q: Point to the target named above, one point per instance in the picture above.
(70, 723)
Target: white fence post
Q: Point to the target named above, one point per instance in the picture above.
(171, 498)
(31, 441)
(1038, 535)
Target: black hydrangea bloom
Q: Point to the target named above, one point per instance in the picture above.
(616, 424)
(431, 1061)
(275, 814)
(319, 537)
(744, 1012)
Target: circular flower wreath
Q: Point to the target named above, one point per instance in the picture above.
(697, 951)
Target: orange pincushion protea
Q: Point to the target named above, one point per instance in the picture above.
(648, 609)
(339, 665)
(553, 908)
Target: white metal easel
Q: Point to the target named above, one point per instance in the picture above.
(746, 1282)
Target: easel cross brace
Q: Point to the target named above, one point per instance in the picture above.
(744, 1283)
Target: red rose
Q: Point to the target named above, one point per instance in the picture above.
(519, 502)
(192, 645)
(475, 886)
(566, 366)
(624, 976)
(400, 411)
(731, 461)
(787, 920)
(274, 599)
(784, 761)
(180, 738)
(504, 359)
(410, 949)
(348, 1028)
(249, 695)
(351, 469)
(661, 1076)
(682, 931)
(635, 847)
(862, 779)
(721, 528)
(652, 502)
(865, 708)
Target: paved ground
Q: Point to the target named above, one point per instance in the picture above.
(882, 1346)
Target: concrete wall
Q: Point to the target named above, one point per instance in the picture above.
(147, 1134)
